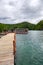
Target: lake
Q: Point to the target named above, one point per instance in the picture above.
(29, 48)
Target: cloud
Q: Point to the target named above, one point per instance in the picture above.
(34, 3)
(15, 11)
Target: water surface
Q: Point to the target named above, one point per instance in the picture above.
(29, 48)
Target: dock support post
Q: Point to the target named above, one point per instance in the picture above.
(14, 48)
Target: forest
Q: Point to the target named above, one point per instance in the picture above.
(25, 24)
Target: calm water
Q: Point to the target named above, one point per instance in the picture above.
(30, 48)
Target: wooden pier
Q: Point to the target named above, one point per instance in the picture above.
(6, 49)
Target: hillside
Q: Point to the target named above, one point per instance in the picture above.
(30, 26)
(39, 26)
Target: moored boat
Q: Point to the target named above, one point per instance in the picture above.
(21, 31)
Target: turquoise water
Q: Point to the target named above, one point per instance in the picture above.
(29, 48)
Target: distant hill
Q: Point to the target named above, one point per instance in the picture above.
(39, 26)
(30, 26)
(26, 25)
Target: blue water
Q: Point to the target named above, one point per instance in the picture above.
(29, 48)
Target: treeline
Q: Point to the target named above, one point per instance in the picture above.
(6, 27)
(39, 26)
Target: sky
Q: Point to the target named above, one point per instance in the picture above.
(16, 11)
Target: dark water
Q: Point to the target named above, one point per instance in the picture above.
(1, 36)
(29, 48)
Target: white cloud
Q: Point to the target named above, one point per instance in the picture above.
(14, 11)
(34, 3)
(41, 12)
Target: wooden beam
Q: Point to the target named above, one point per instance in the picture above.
(14, 44)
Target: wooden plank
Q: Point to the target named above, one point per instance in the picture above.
(6, 50)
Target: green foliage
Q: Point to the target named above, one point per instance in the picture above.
(30, 26)
(39, 26)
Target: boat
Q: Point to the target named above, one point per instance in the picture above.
(21, 31)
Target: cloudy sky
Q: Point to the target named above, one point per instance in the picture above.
(15, 11)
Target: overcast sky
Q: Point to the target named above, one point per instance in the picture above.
(15, 11)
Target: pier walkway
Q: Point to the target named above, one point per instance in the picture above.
(6, 49)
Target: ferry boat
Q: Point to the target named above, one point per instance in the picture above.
(21, 31)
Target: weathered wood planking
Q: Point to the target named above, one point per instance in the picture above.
(6, 50)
